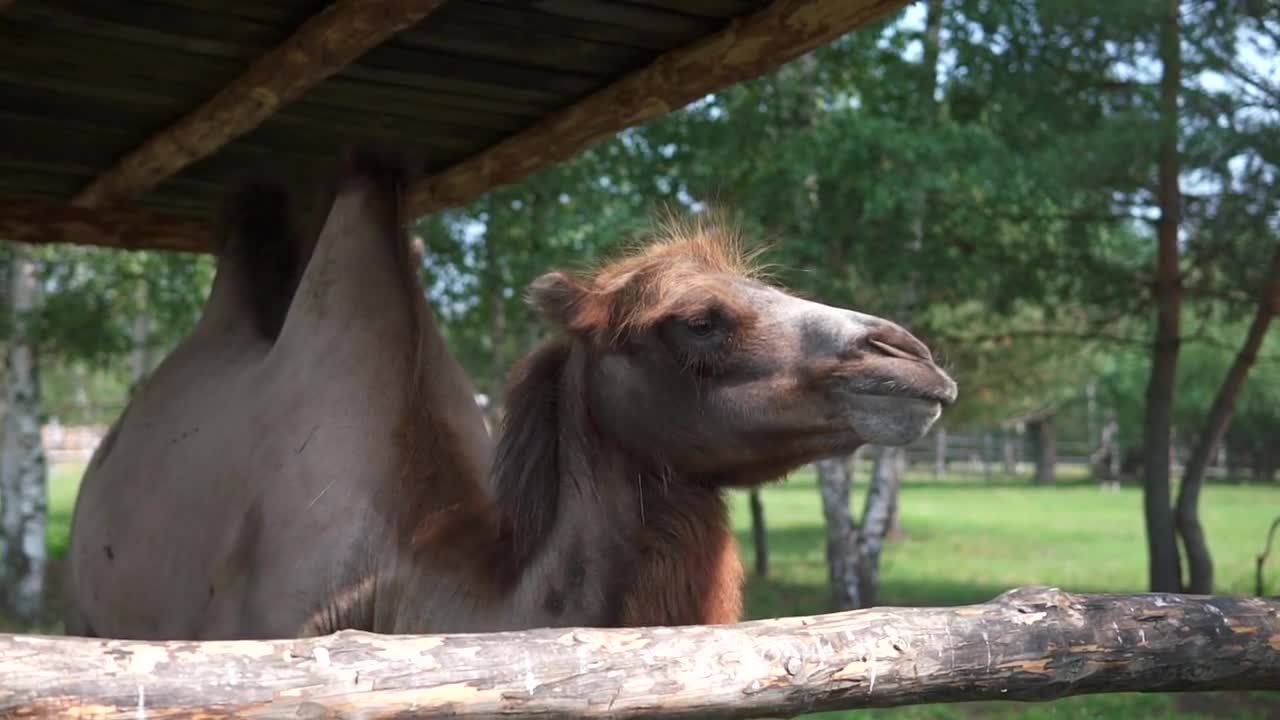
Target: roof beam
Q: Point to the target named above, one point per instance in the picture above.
(749, 47)
(120, 228)
(321, 47)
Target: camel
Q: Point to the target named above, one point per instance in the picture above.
(322, 481)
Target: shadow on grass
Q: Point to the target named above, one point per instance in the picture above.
(805, 484)
(771, 597)
(802, 550)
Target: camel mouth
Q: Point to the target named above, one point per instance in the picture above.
(934, 387)
(944, 396)
(897, 417)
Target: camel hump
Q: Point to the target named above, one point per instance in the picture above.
(264, 249)
(384, 177)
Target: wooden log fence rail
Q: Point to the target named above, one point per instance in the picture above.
(1030, 644)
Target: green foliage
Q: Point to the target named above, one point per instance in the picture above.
(91, 299)
(992, 182)
(1256, 421)
(82, 326)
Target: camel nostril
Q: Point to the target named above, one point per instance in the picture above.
(893, 341)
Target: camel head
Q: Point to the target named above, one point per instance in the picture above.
(700, 367)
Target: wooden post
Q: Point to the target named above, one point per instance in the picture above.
(1044, 440)
(1030, 644)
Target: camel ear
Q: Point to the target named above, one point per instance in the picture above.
(558, 298)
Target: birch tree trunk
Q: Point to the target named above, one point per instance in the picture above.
(834, 483)
(22, 463)
(877, 519)
(1009, 452)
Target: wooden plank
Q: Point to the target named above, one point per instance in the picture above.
(1030, 644)
(147, 104)
(410, 67)
(675, 28)
(175, 29)
(396, 101)
(72, 138)
(532, 47)
(26, 184)
(722, 9)
(321, 47)
(135, 63)
(526, 16)
(123, 228)
(284, 14)
(749, 47)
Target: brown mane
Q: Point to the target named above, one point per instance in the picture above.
(631, 293)
(689, 523)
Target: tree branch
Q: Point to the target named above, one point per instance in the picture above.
(1028, 644)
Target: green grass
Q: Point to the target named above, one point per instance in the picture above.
(967, 542)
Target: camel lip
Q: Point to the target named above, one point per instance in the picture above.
(901, 378)
(944, 396)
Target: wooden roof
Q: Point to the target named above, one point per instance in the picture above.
(121, 123)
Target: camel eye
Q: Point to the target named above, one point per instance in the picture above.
(700, 326)
(697, 336)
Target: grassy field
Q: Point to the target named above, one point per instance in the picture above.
(965, 543)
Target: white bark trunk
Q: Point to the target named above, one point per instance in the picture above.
(834, 482)
(23, 497)
(877, 518)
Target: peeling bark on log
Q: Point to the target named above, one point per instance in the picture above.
(321, 47)
(121, 228)
(748, 47)
(1028, 644)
